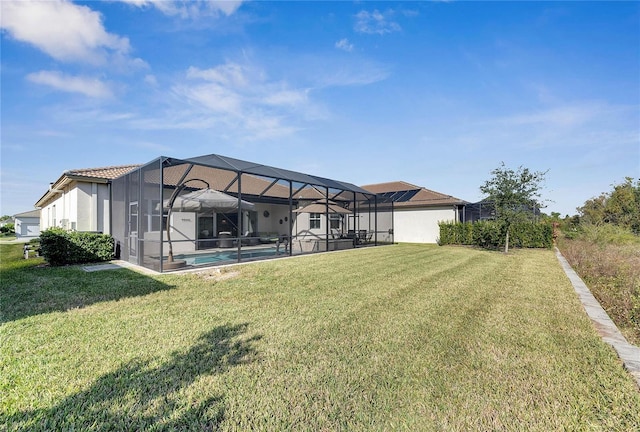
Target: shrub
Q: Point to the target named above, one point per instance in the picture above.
(60, 247)
(491, 234)
(612, 272)
(607, 234)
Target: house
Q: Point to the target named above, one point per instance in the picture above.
(27, 224)
(80, 199)
(256, 209)
(417, 210)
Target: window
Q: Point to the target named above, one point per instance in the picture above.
(334, 220)
(314, 220)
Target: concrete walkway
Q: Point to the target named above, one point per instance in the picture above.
(629, 354)
(118, 264)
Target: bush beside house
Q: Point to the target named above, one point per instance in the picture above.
(490, 234)
(60, 247)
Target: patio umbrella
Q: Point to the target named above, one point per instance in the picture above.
(207, 199)
(320, 206)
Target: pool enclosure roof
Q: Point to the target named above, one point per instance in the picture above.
(145, 199)
(241, 166)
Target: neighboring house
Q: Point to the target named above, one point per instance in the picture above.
(27, 224)
(80, 199)
(417, 210)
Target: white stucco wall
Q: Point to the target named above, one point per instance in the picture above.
(103, 210)
(183, 232)
(271, 224)
(53, 213)
(92, 207)
(420, 225)
(81, 206)
(83, 220)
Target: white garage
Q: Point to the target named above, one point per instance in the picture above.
(27, 224)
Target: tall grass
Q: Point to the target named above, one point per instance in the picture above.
(407, 337)
(608, 260)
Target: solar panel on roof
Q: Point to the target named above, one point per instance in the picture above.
(400, 196)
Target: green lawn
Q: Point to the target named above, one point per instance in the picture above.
(405, 337)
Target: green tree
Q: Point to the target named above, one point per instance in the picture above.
(620, 207)
(8, 228)
(516, 195)
(593, 210)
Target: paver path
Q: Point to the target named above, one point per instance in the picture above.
(629, 354)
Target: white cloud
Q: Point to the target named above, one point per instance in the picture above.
(376, 22)
(564, 116)
(229, 74)
(286, 97)
(190, 9)
(90, 87)
(344, 44)
(211, 96)
(63, 30)
(363, 73)
(237, 100)
(232, 88)
(151, 80)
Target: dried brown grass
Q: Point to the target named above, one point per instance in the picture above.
(612, 273)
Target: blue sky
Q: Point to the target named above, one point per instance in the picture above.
(436, 94)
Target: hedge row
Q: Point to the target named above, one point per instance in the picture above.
(60, 247)
(491, 234)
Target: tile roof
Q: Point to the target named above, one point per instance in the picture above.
(423, 197)
(109, 172)
(100, 175)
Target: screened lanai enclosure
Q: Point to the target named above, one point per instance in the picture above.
(211, 210)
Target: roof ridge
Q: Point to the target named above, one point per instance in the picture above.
(437, 193)
(395, 181)
(102, 168)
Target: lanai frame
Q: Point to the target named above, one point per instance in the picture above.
(139, 199)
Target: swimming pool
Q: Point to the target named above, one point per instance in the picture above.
(221, 256)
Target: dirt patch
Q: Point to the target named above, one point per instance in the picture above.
(218, 275)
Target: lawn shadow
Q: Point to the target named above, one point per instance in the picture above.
(139, 396)
(29, 289)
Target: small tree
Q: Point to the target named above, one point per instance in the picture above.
(515, 194)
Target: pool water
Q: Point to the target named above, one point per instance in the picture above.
(216, 257)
